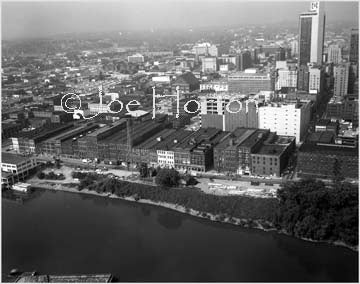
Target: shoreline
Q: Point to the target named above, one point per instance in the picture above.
(245, 223)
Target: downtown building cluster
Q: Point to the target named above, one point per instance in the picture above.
(260, 106)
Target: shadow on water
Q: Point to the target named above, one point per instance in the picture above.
(22, 197)
(145, 211)
(322, 258)
(170, 220)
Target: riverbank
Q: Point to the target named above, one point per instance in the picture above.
(246, 223)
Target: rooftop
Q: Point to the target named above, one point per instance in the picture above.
(153, 140)
(322, 137)
(106, 128)
(44, 131)
(271, 149)
(172, 140)
(329, 149)
(10, 158)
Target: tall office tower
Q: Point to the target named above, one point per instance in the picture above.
(303, 78)
(354, 46)
(290, 119)
(341, 79)
(280, 54)
(244, 60)
(206, 49)
(294, 48)
(316, 76)
(334, 54)
(209, 64)
(255, 55)
(311, 34)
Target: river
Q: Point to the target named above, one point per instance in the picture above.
(71, 233)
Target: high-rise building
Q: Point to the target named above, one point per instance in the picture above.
(341, 79)
(315, 79)
(311, 34)
(334, 54)
(303, 78)
(244, 60)
(294, 47)
(286, 119)
(280, 54)
(354, 46)
(209, 64)
(206, 49)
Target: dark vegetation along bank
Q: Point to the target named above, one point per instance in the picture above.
(305, 209)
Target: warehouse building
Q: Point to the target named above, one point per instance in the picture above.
(273, 156)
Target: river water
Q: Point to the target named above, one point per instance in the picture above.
(71, 233)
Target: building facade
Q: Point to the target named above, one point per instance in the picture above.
(247, 83)
(286, 119)
(341, 79)
(311, 34)
(334, 54)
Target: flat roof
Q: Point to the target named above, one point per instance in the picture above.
(137, 129)
(152, 141)
(322, 137)
(329, 149)
(73, 132)
(44, 130)
(251, 137)
(10, 158)
(169, 142)
(106, 128)
(201, 135)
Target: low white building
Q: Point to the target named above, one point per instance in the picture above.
(136, 58)
(165, 158)
(289, 119)
(15, 168)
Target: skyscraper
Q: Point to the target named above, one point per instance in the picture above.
(311, 34)
(303, 78)
(354, 46)
(294, 47)
(334, 54)
(341, 79)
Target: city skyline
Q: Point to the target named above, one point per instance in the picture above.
(41, 19)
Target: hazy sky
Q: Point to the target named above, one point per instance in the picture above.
(32, 19)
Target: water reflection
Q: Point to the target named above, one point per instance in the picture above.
(65, 234)
(299, 251)
(22, 197)
(145, 211)
(170, 220)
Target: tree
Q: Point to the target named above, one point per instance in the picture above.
(167, 177)
(337, 175)
(310, 209)
(144, 171)
(190, 180)
(41, 175)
